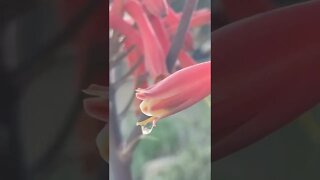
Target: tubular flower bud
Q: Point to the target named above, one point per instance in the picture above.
(153, 52)
(157, 8)
(177, 92)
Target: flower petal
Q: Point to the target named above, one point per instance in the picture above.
(153, 52)
(178, 91)
(157, 8)
(261, 73)
(97, 107)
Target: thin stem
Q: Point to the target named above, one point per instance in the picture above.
(114, 44)
(178, 40)
(119, 82)
(113, 121)
(115, 61)
(127, 107)
(119, 167)
(128, 150)
(134, 139)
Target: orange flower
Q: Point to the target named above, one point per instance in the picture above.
(269, 79)
(157, 8)
(153, 51)
(178, 91)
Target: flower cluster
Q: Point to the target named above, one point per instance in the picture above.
(149, 26)
(141, 33)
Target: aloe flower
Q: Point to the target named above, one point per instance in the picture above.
(156, 24)
(132, 40)
(184, 58)
(133, 37)
(116, 8)
(160, 32)
(164, 31)
(178, 91)
(171, 22)
(153, 52)
(141, 34)
(158, 8)
(199, 18)
(265, 75)
(150, 35)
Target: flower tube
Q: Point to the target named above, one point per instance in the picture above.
(266, 74)
(177, 92)
(158, 8)
(153, 51)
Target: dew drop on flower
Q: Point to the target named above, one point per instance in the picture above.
(148, 127)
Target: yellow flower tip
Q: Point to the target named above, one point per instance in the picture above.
(145, 107)
(139, 90)
(146, 121)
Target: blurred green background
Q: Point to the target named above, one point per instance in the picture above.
(178, 148)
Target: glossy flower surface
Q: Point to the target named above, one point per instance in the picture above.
(178, 91)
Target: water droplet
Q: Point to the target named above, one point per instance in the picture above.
(147, 128)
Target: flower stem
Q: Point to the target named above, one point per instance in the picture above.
(178, 40)
(120, 167)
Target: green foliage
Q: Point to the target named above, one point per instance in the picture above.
(178, 148)
(161, 141)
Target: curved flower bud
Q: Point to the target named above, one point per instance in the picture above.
(153, 52)
(157, 8)
(161, 32)
(123, 27)
(178, 91)
(184, 59)
(270, 78)
(117, 7)
(200, 18)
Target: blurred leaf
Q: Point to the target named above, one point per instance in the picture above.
(182, 150)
